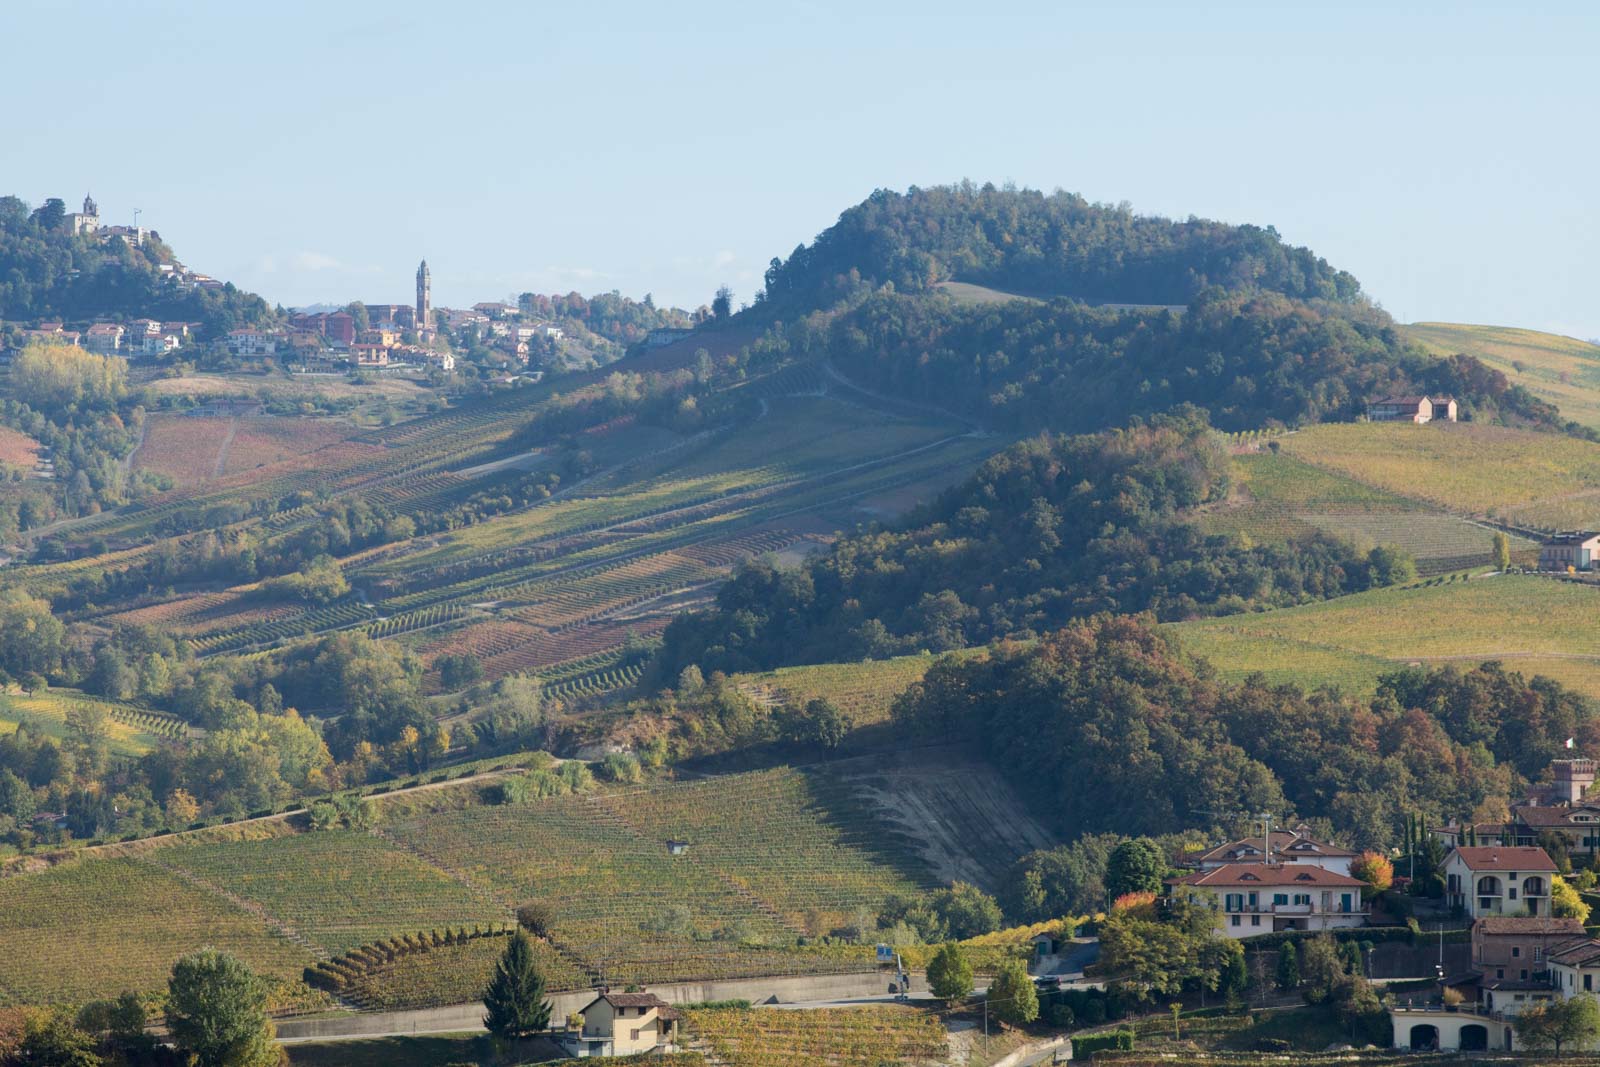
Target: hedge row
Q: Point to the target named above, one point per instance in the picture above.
(1377, 935)
(1111, 1040)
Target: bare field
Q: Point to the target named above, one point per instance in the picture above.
(18, 449)
(192, 449)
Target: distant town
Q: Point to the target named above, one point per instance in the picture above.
(413, 337)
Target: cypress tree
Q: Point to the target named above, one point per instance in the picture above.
(515, 1000)
(1288, 967)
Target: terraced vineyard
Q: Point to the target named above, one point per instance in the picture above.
(738, 887)
(94, 928)
(131, 730)
(1533, 479)
(1280, 496)
(1531, 624)
(421, 974)
(772, 855)
(337, 889)
(847, 1037)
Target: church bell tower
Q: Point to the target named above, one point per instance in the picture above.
(424, 300)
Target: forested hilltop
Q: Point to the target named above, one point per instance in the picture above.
(1058, 244)
(47, 272)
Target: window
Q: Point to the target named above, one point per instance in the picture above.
(1235, 919)
(1255, 920)
(1524, 974)
(1588, 983)
(1280, 898)
(1516, 950)
(635, 1035)
(1538, 954)
(1512, 892)
(1499, 972)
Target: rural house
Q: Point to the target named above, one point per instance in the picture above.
(1499, 880)
(622, 1024)
(1417, 409)
(1518, 949)
(1576, 551)
(1288, 846)
(1262, 898)
(104, 337)
(1517, 963)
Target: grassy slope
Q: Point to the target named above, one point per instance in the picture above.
(1533, 625)
(863, 690)
(1562, 370)
(1542, 480)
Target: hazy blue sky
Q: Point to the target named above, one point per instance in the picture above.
(1447, 154)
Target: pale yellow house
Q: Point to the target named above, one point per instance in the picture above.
(622, 1024)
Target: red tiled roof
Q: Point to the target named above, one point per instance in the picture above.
(1505, 858)
(1580, 954)
(1253, 874)
(1284, 843)
(1552, 815)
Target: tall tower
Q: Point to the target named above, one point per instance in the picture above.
(424, 300)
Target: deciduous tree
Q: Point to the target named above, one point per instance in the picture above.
(217, 1011)
(1012, 994)
(949, 973)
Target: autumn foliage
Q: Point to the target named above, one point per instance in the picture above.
(1374, 869)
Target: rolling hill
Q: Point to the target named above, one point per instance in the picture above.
(1535, 625)
(1561, 370)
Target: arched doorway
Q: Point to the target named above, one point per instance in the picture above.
(1474, 1038)
(1424, 1038)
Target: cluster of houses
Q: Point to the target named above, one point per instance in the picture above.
(505, 328)
(146, 337)
(1496, 876)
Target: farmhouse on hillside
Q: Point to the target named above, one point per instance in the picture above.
(622, 1024)
(1417, 409)
(1263, 898)
(1576, 551)
(1499, 880)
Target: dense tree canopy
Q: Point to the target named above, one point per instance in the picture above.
(1107, 728)
(44, 272)
(1059, 244)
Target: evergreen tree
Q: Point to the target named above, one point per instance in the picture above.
(1288, 967)
(515, 1000)
(949, 973)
